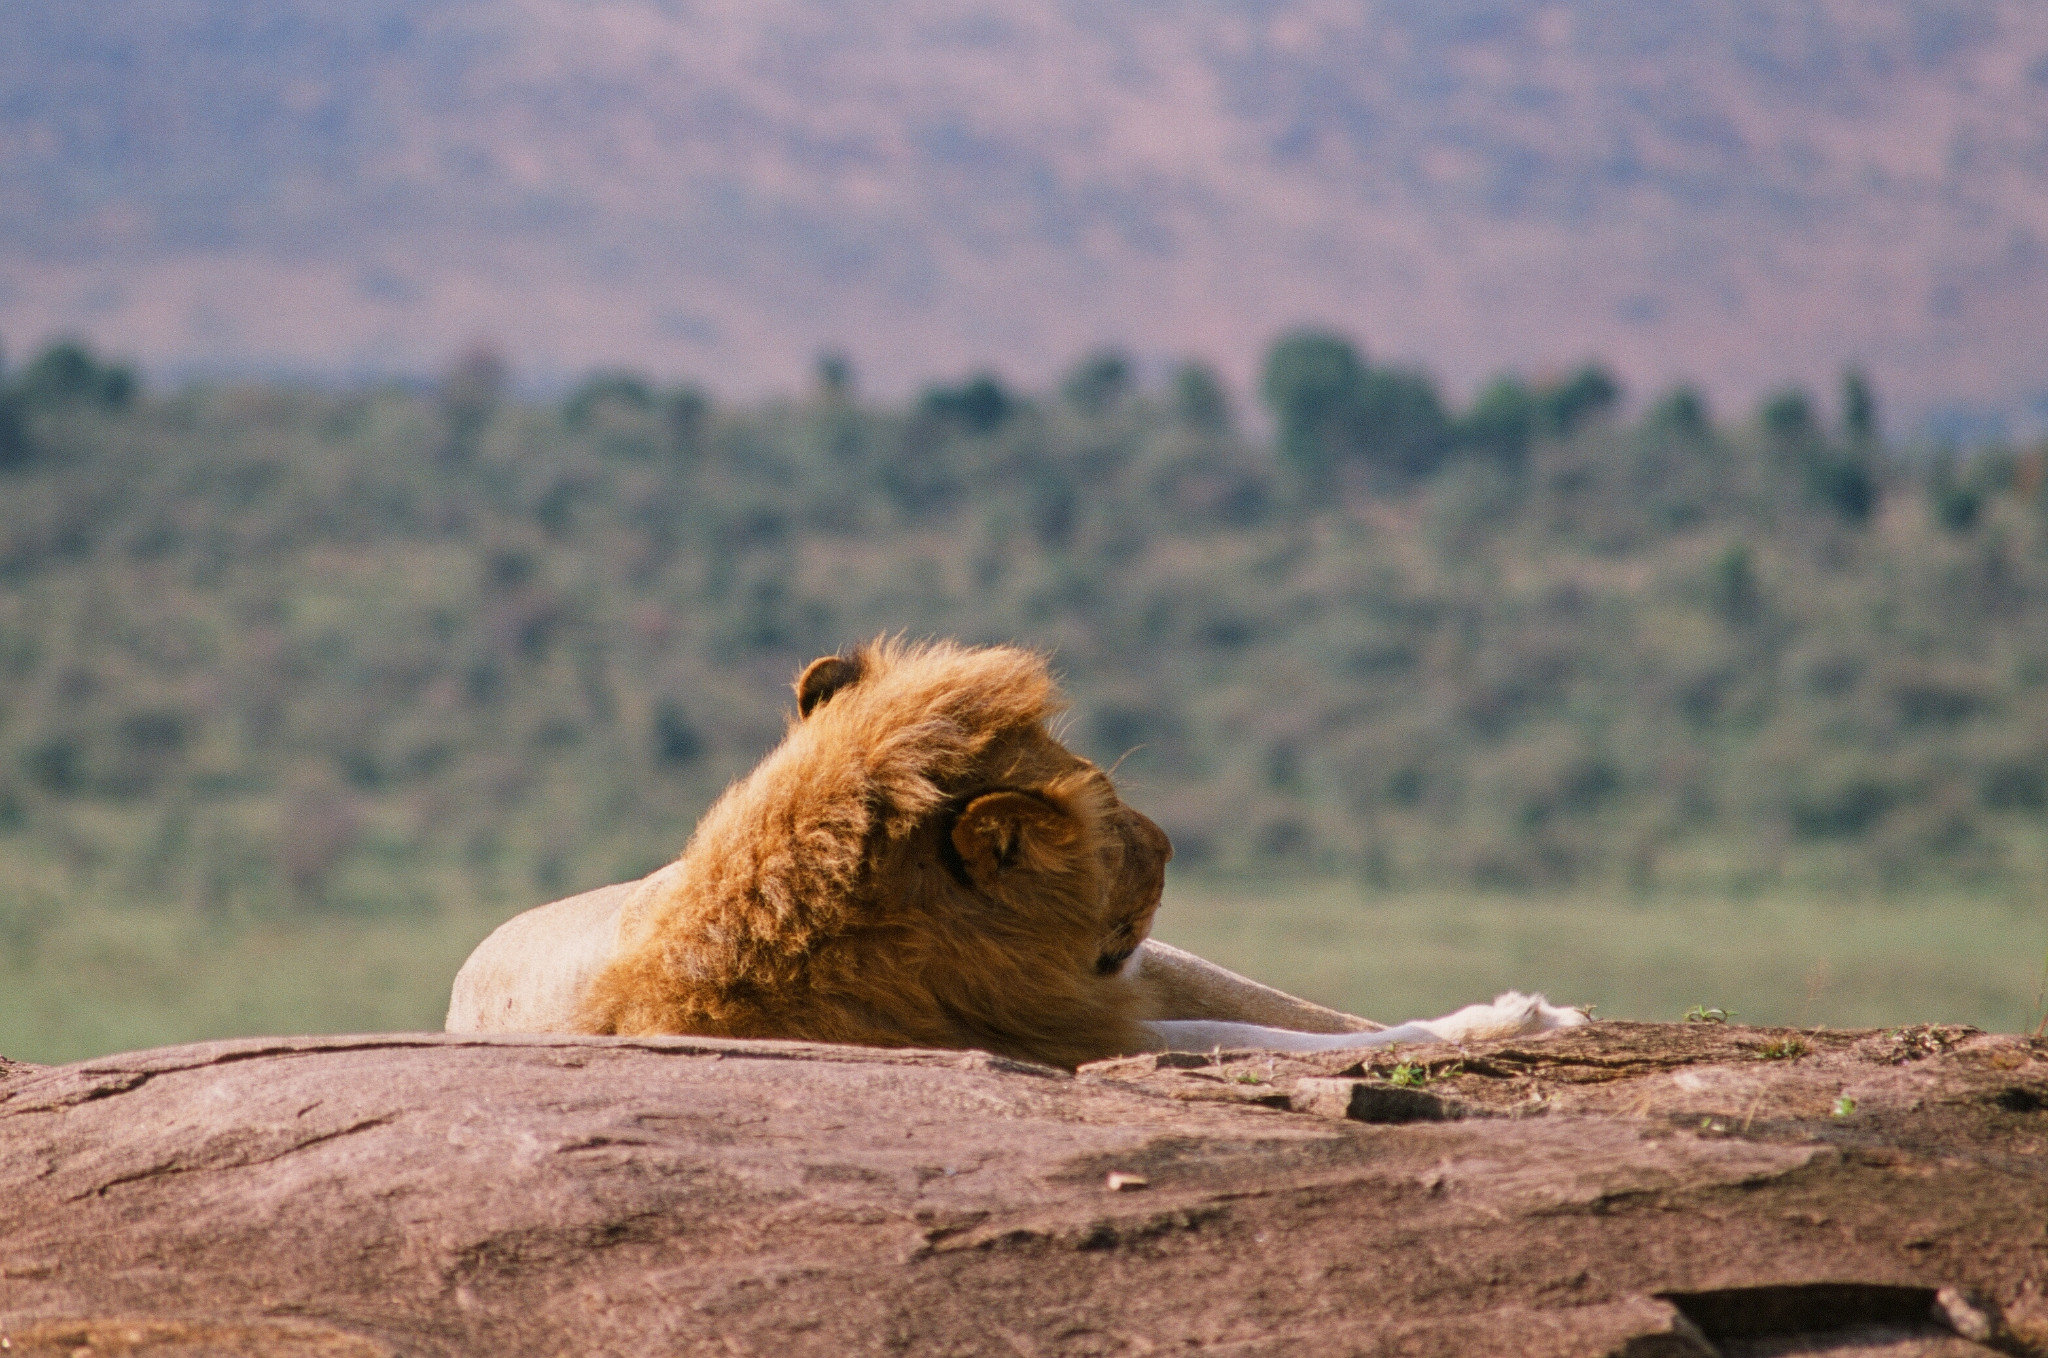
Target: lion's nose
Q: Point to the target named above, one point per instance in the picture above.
(1151, 837)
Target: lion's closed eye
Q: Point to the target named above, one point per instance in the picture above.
(1110, 963)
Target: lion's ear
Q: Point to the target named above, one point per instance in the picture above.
(1003, 832)
(822, 678)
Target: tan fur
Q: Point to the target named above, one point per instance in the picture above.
(918, 863)
(530, 975)
(1173, 984)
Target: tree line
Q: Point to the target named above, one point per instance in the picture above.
(268, 647)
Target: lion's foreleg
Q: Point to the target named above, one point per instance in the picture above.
(1175, 985)
(1511, 1015)
(1204, 1035)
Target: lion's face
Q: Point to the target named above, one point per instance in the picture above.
(1138, 877)
(1031, 883)
(1051, 884)
(1131, 852)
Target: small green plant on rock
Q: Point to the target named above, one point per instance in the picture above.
(1408, 1075)
(1783, 1049)
(1844, 1105)
(1701, 1013)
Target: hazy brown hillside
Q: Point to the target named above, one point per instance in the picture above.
(1722, 191)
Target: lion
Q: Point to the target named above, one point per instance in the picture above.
(919, 863)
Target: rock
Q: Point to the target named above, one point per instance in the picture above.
(1370, 1101)
(1623, 1189)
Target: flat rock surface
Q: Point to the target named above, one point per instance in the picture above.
(1635, 1189)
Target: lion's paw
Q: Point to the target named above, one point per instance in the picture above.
(1558, 1016)
(1510, 1015)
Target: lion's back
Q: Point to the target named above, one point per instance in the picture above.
(529, 976)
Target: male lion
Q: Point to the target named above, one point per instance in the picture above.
(918, 863)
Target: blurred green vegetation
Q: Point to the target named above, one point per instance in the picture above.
(1781, 958)
(390, 664)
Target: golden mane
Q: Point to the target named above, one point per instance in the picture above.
(918, 862)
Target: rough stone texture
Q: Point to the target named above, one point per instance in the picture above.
(1622, 1189)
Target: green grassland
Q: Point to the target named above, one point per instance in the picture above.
(103, 981)
(80, 983)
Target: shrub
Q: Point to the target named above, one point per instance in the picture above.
(1681, 413)
(1333, 410)
(1199, 400)
(1954, 501)
(1098, 382)
(609, 387)
(469, 394)
(676, 740)
(1859, 410)
(1844, 483)
(1587, 394)
(69, 373)
(1400, 422)
(686, 412)
(1311, 383)
(1840, 479)
(56, 765)
(15, 450)
(1845, 811)
(1502, 421)
(980, 405)
(1737, 592)
(1787, 417)
(834, 372)
(2015, 785)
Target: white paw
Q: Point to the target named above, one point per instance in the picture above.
(1510, 1015)
(1553, 1016)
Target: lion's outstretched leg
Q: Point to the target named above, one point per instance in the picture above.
(1511, 1015)
(1177, 985)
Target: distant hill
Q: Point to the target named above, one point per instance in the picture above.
(1721, 190)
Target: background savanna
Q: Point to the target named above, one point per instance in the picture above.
(302, 689)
